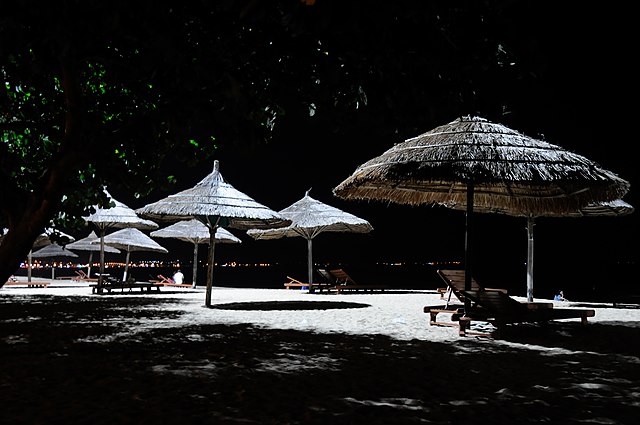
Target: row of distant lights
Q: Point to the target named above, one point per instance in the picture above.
(36, 264)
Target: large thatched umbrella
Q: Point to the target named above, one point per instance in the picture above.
(130, 239)
(53, 251)
(195, 232)
(88, 244)
(309, 218)
(215, 203)
(117, 216)
(475, 163)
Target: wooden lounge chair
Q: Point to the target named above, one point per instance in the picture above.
(500, 309)
(313, 287)
(82, 276)
(454, 279)
(344, 282)
(294, 283)
(167, 281)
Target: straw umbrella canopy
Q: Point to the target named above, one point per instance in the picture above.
(42, 240)
(130, 239)
(309, 218)
(215, 203)
(85, 244)
(195, 232)
(118, 216)
(479, 164)
(53, 251)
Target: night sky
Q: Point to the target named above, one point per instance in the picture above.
(585, 104)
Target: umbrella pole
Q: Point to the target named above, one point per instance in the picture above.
(195, 265)
(212, 249)
(102, 231)
(467, 244)
(126, 266)
(53, 271)
(90, 262)
(530, 224)
(29, 267)
(309, 261)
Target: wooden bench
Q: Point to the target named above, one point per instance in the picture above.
(142, 286)
(32, 284)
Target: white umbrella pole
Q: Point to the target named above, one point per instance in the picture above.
(53, 271)
(100, 278)
(29, 267)
(195, 264)
(530, 224)
(467, 244)
(90, 262)
(212, 249)
(126, 266)
(309, 261)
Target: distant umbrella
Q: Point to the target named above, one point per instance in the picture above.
(195, 232)
(118, 216)
(309, 218)
(85, 244)
(215, 203)
(45, 238)
(474, 163)
(130, 239)
(53, 251)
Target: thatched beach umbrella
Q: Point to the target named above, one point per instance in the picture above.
(131, 239)
(88, 244)
(53, 251)
(215, 203)
(476, 163)
(309, 218)
(195, 232)
(42, 240)
(117, 216)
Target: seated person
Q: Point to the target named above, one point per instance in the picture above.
(559, 296)
(178, 277)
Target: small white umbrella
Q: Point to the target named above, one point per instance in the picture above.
(130, 239)
(86, 244)
(42, 240)
(118, 216)
(195, 232)
(53, 251)
(215, 203)
(309, 218)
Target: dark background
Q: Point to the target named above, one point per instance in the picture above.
(576, 88)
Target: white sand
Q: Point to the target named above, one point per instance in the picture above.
(397, 314)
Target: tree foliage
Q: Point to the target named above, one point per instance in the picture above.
(101, 94)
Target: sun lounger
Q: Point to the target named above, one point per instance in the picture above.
(454, 280)
(313, 287)
(500, 309)
(82, 276)
(346, 283)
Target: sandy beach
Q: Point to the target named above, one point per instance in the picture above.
(276, 356)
